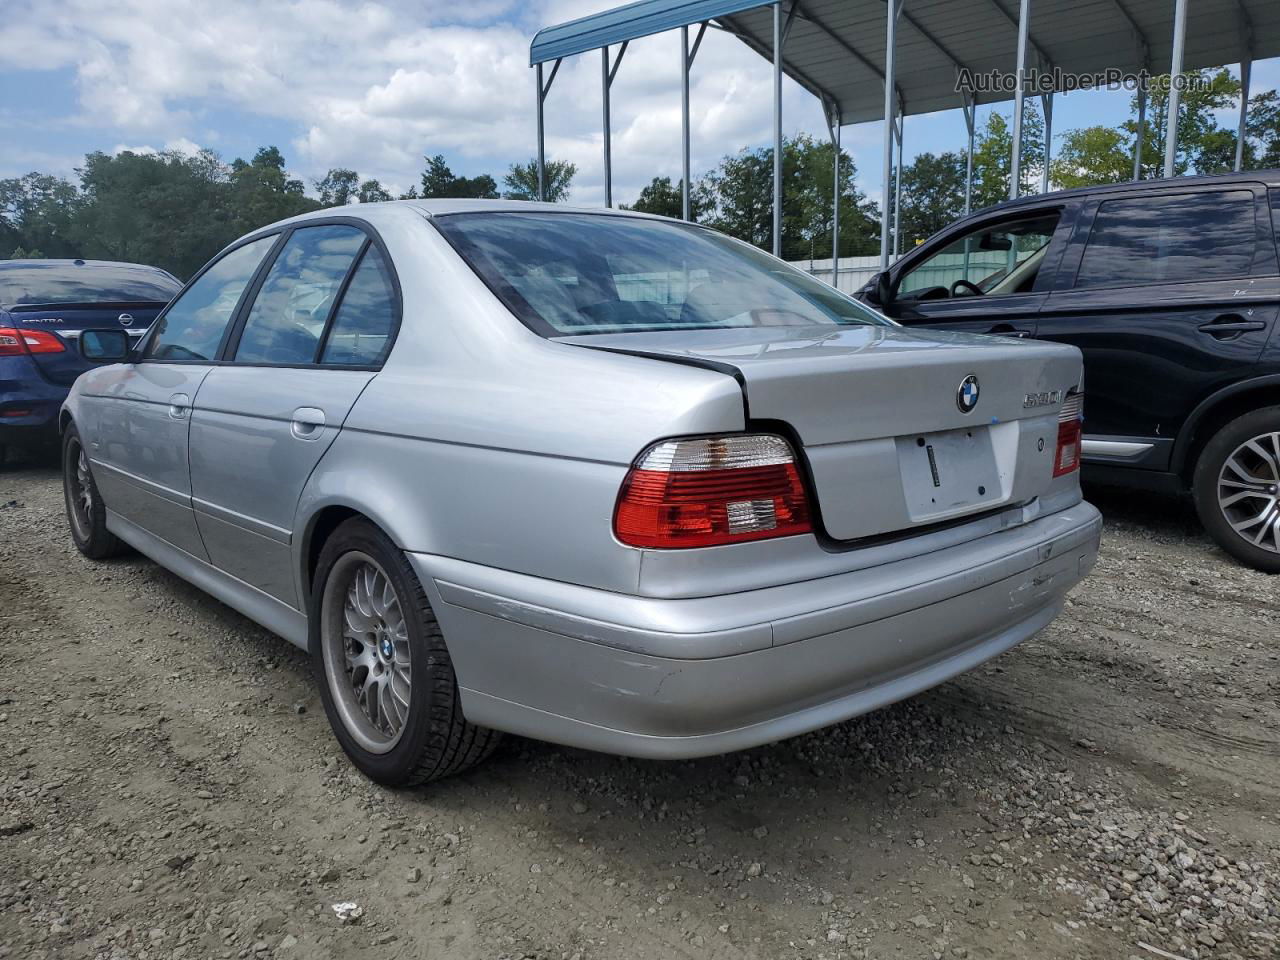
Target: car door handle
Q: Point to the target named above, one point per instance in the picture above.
(179, 406)
(306, 423)
(1008, 330)
(1230, 325)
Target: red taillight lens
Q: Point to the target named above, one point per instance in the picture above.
(712, 491)
(14, 342)
(1066, 457)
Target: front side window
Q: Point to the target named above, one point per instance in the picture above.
(289, 313)
(191, 329)
(993, 260)
(1170, 239)
(565, 274)
(365, 321)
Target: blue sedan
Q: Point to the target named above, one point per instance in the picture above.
(44, 304)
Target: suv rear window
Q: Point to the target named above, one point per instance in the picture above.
(565, 274)
(58, 282)
(1173, 238)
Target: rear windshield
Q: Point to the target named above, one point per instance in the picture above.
(53, 282)
(564, 274)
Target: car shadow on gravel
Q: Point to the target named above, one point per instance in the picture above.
(1161, 517)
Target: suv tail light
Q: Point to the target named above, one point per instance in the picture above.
(710, 491)
(15, 342)
(1067, 456)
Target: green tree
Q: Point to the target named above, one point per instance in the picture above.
(521, 180)
(993, 153)
(1206, 92)
(170, 210)
(439, 181)
(662, 197)
(371, 191)
(338, 187)
(1262, 128)
(1092, 155)
(263, 192)
(737, 198)
(932, 195)
(37, 212)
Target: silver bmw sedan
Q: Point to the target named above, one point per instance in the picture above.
(594, 477)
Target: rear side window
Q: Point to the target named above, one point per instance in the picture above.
(191, 330)
(365, 321)
(1170, 239)
(290, 311)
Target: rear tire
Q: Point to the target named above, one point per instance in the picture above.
(384, 672)
(86, 513)
(1236, 487)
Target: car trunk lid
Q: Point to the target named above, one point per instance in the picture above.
(67, 320)
(879, 413)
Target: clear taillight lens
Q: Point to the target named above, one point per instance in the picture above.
(1066, 457)
(15, 342)
(710, 491)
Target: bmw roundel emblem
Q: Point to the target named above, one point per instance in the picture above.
(967, 395)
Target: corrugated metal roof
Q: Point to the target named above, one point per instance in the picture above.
(836, 48)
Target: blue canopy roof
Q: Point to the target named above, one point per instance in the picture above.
(627, 23)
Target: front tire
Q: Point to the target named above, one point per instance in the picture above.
(385, 675)
(86, 513)
(1236, 487)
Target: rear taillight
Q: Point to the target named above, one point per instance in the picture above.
(1067, 456)
(14, 342)
(710, 491)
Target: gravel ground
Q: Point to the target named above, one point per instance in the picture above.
(169, 788)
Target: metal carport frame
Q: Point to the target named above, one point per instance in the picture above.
(886, 59)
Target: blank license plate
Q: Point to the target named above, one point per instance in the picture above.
(949, 472)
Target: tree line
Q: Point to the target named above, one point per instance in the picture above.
(176, 210)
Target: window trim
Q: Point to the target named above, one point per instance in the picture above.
(1264, 253)
(225, 357)
(145, 343)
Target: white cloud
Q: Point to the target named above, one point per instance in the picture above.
(375, 84)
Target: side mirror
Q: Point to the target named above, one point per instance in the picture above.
(104, 346)
(885, 292)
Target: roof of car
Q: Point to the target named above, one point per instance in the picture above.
(1270, 178)
(41, 262)
(436, 208)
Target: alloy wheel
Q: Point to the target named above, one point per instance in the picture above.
(81, 492)
(366, 651)
(1249, 491)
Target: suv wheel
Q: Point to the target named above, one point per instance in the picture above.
(384, 672)
(86, 513)
(1237, 488)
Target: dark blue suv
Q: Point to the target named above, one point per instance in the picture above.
(1171, 289)
(44, 304)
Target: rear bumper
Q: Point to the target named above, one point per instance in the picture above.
(29, 404)
(692, 677)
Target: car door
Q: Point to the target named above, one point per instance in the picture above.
(309, 340)
(1170, 295)
(989, 277)
(141, 417)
